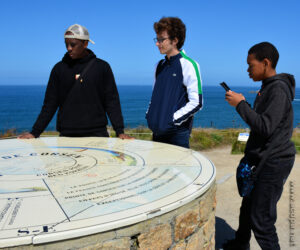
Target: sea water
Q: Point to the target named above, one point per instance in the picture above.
(20, 106)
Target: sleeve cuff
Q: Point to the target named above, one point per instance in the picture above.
(240, 104)
(119, 131)
(35, 134)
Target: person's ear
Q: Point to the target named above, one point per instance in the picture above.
(267, 62)
(175, 40)
(85, 44)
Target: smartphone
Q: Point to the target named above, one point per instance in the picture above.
(225, 86)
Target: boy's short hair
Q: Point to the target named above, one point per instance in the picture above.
(174, 27)
(265, 50)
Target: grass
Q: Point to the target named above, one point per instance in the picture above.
(201, 138)
(296, 139)
(8, 133)
(141, 133)
(238, 147)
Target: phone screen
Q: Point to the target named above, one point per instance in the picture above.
(225, 86)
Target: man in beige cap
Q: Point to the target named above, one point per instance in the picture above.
(83, 89)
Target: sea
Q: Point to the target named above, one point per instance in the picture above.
(20, 106)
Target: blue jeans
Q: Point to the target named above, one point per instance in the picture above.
(180, 138)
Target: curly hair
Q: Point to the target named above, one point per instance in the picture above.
(174, 27)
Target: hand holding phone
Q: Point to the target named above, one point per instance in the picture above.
(225, 86)
(232, 97)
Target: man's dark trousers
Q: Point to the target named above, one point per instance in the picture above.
(179, 138)
(258, 211)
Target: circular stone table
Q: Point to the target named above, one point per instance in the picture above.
(59, 188)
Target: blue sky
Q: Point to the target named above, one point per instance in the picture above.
(219, 34)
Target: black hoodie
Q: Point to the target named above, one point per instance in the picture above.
(82, 107)
(271, 119)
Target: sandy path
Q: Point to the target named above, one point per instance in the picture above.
(228, 201)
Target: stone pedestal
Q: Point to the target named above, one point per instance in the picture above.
(105, 193)
(190, 227)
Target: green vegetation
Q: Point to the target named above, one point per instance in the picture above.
(238, 147)
(141, 133)
(50, 133)
(8, 133)
(201, 138)
(296, 139)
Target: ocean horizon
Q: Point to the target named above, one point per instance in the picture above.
(20, 105)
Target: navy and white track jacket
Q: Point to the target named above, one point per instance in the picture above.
(176, 96)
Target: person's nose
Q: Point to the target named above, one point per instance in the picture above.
(69, 48)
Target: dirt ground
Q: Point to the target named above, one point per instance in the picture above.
(229, 201)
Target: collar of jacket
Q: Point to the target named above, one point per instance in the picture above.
(287, 78)
(67, 59)
(267, 81)
(173, 58)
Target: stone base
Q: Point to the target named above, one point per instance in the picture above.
(190, 227)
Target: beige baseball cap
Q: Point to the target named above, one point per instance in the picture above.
(78, 32)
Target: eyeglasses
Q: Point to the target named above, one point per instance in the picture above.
(160, 40)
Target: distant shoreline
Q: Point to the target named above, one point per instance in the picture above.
(201, 138)
(138, 85)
